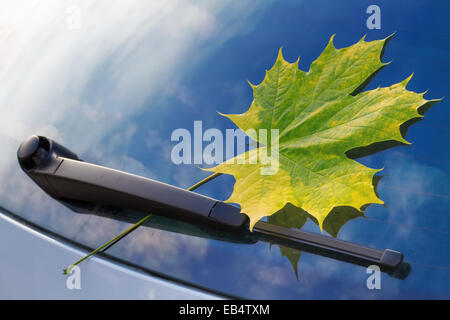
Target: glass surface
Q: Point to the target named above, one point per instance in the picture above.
(114, 89)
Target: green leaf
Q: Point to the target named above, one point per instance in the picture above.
(320, 114)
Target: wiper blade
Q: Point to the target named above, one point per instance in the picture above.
(78, 184)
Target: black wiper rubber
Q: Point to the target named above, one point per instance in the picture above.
(388, 260)
(66, 178)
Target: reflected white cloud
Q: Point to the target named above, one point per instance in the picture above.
(83, 87)
(162, 250)
(408, 187)
(90, 80)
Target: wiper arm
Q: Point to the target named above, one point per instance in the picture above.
(66, 178)
(61, 174)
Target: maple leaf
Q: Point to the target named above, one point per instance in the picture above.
(321, 115)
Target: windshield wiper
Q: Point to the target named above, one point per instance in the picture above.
(81, 185)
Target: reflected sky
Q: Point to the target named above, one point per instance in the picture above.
(115, 89)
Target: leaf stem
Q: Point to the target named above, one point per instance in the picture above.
(134, 227)
(202, 182)
(120, 236)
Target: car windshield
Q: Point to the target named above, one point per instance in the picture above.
(112, 82)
